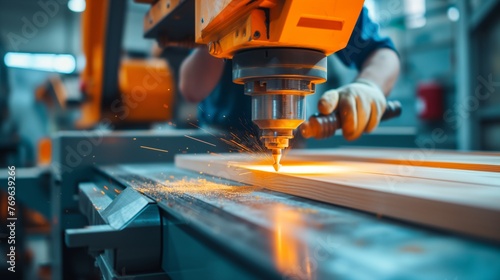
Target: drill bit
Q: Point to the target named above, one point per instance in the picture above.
(276, 141)
(277, 159)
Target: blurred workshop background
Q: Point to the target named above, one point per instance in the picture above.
(449, 86)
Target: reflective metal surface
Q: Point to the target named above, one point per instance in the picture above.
(280, 86)
(124, 230)
(295, 238)
(76, 153)
(277, 115)
(281, 111)
(278, 79)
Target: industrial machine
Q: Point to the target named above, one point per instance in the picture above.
(279, 51)
(278, 48)
(118, 90)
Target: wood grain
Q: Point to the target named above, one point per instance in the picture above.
(456, 199)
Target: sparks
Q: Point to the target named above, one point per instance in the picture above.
(246, 143)
(154, 149)
(196, 139)
(238, 146)
(202, 129)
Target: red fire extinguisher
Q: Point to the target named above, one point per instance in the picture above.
(430, 97)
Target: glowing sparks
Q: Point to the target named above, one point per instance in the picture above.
(240, 146)
(246, 144)
(154, 149)
(199, 140)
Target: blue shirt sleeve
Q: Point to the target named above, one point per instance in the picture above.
(364, 40)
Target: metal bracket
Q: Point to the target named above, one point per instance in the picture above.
(125, 234)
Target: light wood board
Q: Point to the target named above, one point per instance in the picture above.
(429, 157)
(456, 199)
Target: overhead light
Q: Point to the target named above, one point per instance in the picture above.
(77, 6)
(61, 63)
(453, 14)
(415, 13)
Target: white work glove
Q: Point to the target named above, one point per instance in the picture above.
(360, 105)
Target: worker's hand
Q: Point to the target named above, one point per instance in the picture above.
(360, 106)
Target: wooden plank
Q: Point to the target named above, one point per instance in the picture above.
(458, 200)
(480, 161)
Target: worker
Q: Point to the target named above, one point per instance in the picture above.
(206, 79)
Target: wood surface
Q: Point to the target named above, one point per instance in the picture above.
(453, 197)
(429, 157)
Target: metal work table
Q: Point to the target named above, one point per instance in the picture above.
(218, 229)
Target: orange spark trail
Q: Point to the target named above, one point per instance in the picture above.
(196, 139)
(154, 149)
(236, 144)
(202, 129)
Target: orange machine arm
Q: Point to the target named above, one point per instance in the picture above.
(93, 20)
(229, 26)
(141, 91)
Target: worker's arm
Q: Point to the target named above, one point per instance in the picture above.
(382, 68)
(199, 74)
(362, 103)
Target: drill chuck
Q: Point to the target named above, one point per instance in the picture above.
(278, 80)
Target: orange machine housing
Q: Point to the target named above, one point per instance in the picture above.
(147, 90)
(228, 26)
